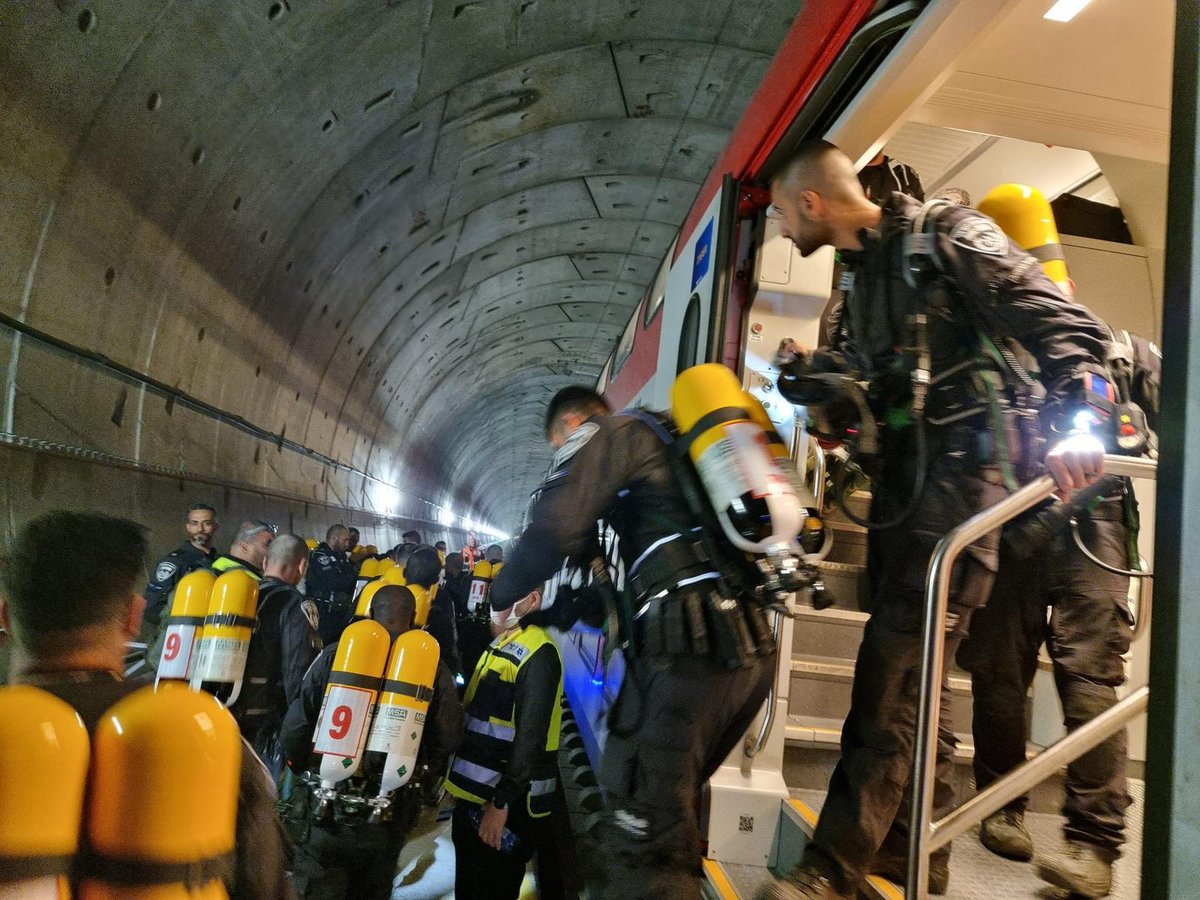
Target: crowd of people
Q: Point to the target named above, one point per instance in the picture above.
(956, 436)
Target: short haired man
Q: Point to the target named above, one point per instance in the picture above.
(347, 856)
(330, 583)
(248, 550)
(944, 455)
(284, 644)
(505, 775)
(70, 624)
(701, 659)
(471, 552)
(196, 552)
(355, 537)
(494, 554)
(411, 537)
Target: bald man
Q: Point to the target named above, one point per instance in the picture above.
(345, 855)
(947, 429)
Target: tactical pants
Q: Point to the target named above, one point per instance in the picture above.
(1088, 632)
(339, 861)
(867, 808)
(483, 871)
(676, 720)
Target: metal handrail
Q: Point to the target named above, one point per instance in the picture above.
(923, 830)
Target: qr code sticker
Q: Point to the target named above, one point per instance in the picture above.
(745, 823)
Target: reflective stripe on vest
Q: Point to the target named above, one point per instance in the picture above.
(491, 728)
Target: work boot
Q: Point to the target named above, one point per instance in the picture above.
(895, 870)
(1005, 834)
(1080, 868)
(802, 883)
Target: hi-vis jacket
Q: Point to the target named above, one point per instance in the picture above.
(514, 713)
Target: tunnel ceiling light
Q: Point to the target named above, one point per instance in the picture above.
(1065, 10)
(446, 516)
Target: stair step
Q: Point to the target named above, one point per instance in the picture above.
(845, 584)
(830, 632)
(822, 686)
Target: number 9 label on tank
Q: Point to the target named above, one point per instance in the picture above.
(343, 726)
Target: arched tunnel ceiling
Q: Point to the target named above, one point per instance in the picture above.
(402, 223)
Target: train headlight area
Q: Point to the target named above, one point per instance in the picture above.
(304, 277)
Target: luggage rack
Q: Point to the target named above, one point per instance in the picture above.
(927, 835)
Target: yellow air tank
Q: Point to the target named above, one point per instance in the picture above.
(163, 797)
(369, 568)
(312, 543)
(424, 598)
(394, 575)
(1024, 213)
(481, 584)
(225, 641)
(363, 608)
(812, 533)
(386, 564)
(350, 696)
(403, 704)
(43, 776)
(189, 606)
(751, 493)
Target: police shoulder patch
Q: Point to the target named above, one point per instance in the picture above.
(981, 235)
(311, 613)
(578, 439)
(165, 570)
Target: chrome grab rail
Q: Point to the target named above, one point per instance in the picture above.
(925, 834)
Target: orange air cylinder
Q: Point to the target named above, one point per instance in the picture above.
(350, 696)
(189, 606)
(403, 704)
(225, 641)
(162, 809)
(43, 776)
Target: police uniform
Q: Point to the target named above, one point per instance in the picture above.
(346, 856)
(509, 757)
(974, 289)
(694, 679)
(167, 573)
(284, 644)
(330, 584)
(1088, 632)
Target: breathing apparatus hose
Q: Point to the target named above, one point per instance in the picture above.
(1128, 573)
(910, 507)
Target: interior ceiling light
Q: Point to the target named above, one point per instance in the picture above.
(1065, 10)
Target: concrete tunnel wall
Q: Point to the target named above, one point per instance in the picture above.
(385, 231)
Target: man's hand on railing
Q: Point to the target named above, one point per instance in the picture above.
(1075, 462)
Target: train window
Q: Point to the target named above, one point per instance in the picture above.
(625, 345)
(658, 289)
(605, 374)
(689, 335)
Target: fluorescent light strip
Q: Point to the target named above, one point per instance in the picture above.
(1065, 10)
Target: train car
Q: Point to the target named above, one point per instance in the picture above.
(1071, 98)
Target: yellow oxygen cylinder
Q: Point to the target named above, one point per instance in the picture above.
(369, 568)
(43, 776)
(189, 606)
(225, 641)
(812, 533)
(394, 575)
(442, 557)
(424, 598)
(400, 722)
(350, 696)
(751, 493)
(312, 543)
(1024, 213)
(481, 584)
(162, 807)
(385, 565)
(363, 608)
